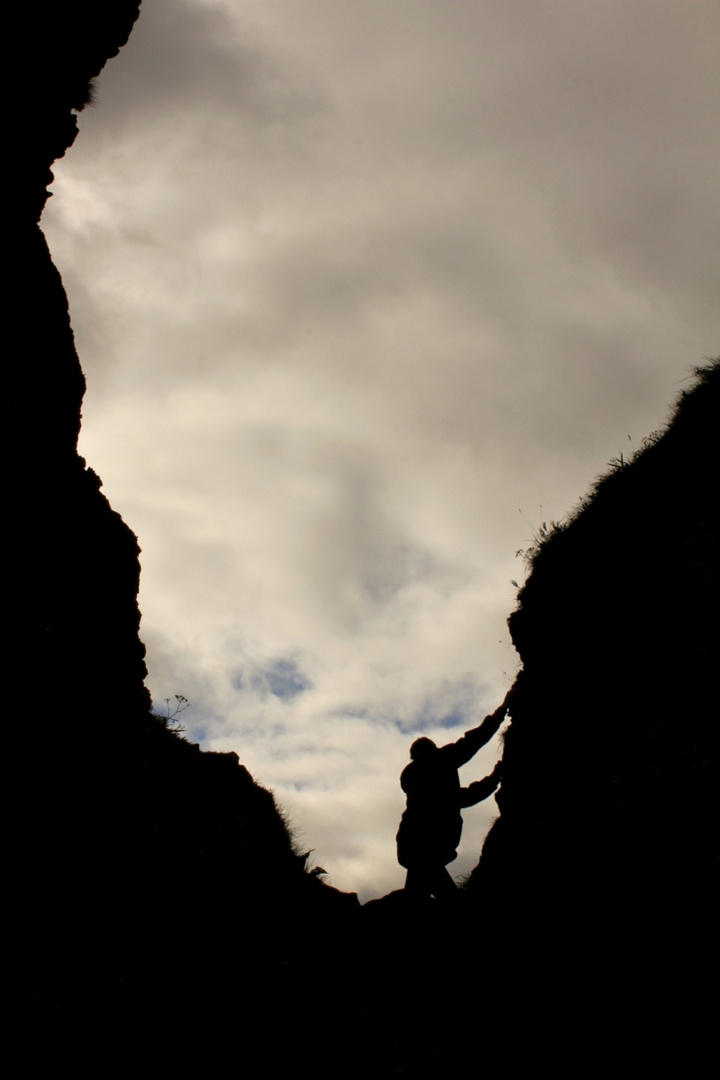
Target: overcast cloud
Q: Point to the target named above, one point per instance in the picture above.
(365, 291)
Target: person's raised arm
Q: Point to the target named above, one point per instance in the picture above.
(472, 740)
(481, 789)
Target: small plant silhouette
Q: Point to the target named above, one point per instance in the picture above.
(315, 871)
(173, 708)
(541, 534)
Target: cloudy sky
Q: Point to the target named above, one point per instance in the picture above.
(366, 291)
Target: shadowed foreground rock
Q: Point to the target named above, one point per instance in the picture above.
(143, 880)
(602, 872)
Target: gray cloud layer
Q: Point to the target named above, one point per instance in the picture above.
(364, 293)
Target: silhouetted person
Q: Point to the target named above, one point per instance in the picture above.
(431, 826)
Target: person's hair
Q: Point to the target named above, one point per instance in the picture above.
(421, 748)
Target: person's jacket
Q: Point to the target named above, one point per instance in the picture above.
(431, 826)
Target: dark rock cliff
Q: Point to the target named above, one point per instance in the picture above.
(602, 871)
(139, 872)
(74, 621)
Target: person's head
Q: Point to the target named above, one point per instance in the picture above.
(422, 748)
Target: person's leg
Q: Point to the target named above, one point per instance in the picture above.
(418, 883)
(442, 885)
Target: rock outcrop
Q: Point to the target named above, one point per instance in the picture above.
(139, 872)
(73, 630)
(601, 873)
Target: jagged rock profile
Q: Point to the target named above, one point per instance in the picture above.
(602, 868)
(73, 584)
(120, 837)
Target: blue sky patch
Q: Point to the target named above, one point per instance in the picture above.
(452, 705)
(285, 680)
